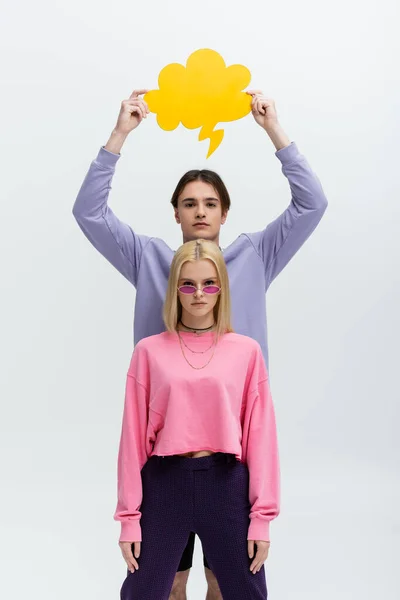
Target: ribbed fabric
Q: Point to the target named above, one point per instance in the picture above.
(209, 496)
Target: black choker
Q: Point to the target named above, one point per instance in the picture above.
(195, 329)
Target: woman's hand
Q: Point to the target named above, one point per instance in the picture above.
(263, 109)
(126, 549)
(132, 113)
(261, 555)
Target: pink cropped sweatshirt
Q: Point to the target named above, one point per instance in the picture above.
(171, 408)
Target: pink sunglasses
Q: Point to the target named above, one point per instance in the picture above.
(191, 289)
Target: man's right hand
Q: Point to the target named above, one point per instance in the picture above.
(132, 112)
(126, 549)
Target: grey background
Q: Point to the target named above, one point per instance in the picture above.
(66, 315)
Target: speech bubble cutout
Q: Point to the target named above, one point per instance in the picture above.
(202, 94)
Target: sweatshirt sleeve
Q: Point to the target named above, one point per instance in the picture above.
(134, 451)
(260, 453)
(282, 238)
(115, 240)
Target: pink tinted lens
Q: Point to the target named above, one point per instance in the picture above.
(187, 289)
(211, 289)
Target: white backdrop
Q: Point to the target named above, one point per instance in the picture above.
(66, 315)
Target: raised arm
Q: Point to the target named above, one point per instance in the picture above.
(115, 240)
(282, 238)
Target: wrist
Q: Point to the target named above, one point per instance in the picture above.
(273, 127)
(277, 136)
(116, 141)
(117, 133)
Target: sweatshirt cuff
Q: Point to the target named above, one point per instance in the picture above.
(289, 154)
(258, 530)
(107, 159)
(131, 531)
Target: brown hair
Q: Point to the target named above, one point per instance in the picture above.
(207, 177)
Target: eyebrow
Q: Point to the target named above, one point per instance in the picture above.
(189, 279)
(195, 200)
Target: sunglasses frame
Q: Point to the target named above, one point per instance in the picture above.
(202, 289)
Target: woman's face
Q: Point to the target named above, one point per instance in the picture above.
(199, 274)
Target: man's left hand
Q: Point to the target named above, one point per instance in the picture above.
(263, 109)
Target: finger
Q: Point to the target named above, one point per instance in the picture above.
(133, 101)
(137, 547)
(137, 93)
(253, 92)
(137, 112)
(256, 105)
(259, 106)
(136, 109)
(258, 567)
(263, 108)
(144, 107)
(254, 565)
(130, 560)
(141, 107)
(134, 563)
(258, 560)
(255, 561)
(126, 548)
(130, 566)
(136, 102)
(250, 548)
(128, 554)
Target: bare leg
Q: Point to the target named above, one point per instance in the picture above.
(178, 591)
(213, 592)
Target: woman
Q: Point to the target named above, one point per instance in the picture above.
(198, 450)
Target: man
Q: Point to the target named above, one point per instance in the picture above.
(201, 203)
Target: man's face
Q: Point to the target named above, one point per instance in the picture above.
(199, 212)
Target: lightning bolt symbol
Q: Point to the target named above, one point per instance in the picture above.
(216, 137)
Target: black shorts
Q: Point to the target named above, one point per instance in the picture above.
(187, 556)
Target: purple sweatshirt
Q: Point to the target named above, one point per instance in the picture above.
(253, 260)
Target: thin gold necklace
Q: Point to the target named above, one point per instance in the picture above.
(188, 362)
(195, 351)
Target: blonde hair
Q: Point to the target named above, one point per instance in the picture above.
(191, 252)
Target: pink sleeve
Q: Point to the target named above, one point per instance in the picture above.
(260, 453)
(134, 451)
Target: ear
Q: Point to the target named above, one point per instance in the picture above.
(224, 217)
(176, 214)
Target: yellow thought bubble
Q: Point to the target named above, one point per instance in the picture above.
(202, 94)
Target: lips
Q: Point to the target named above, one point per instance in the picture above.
(201, 225)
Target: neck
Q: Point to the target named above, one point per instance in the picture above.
(194, 322)
(190, 239)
